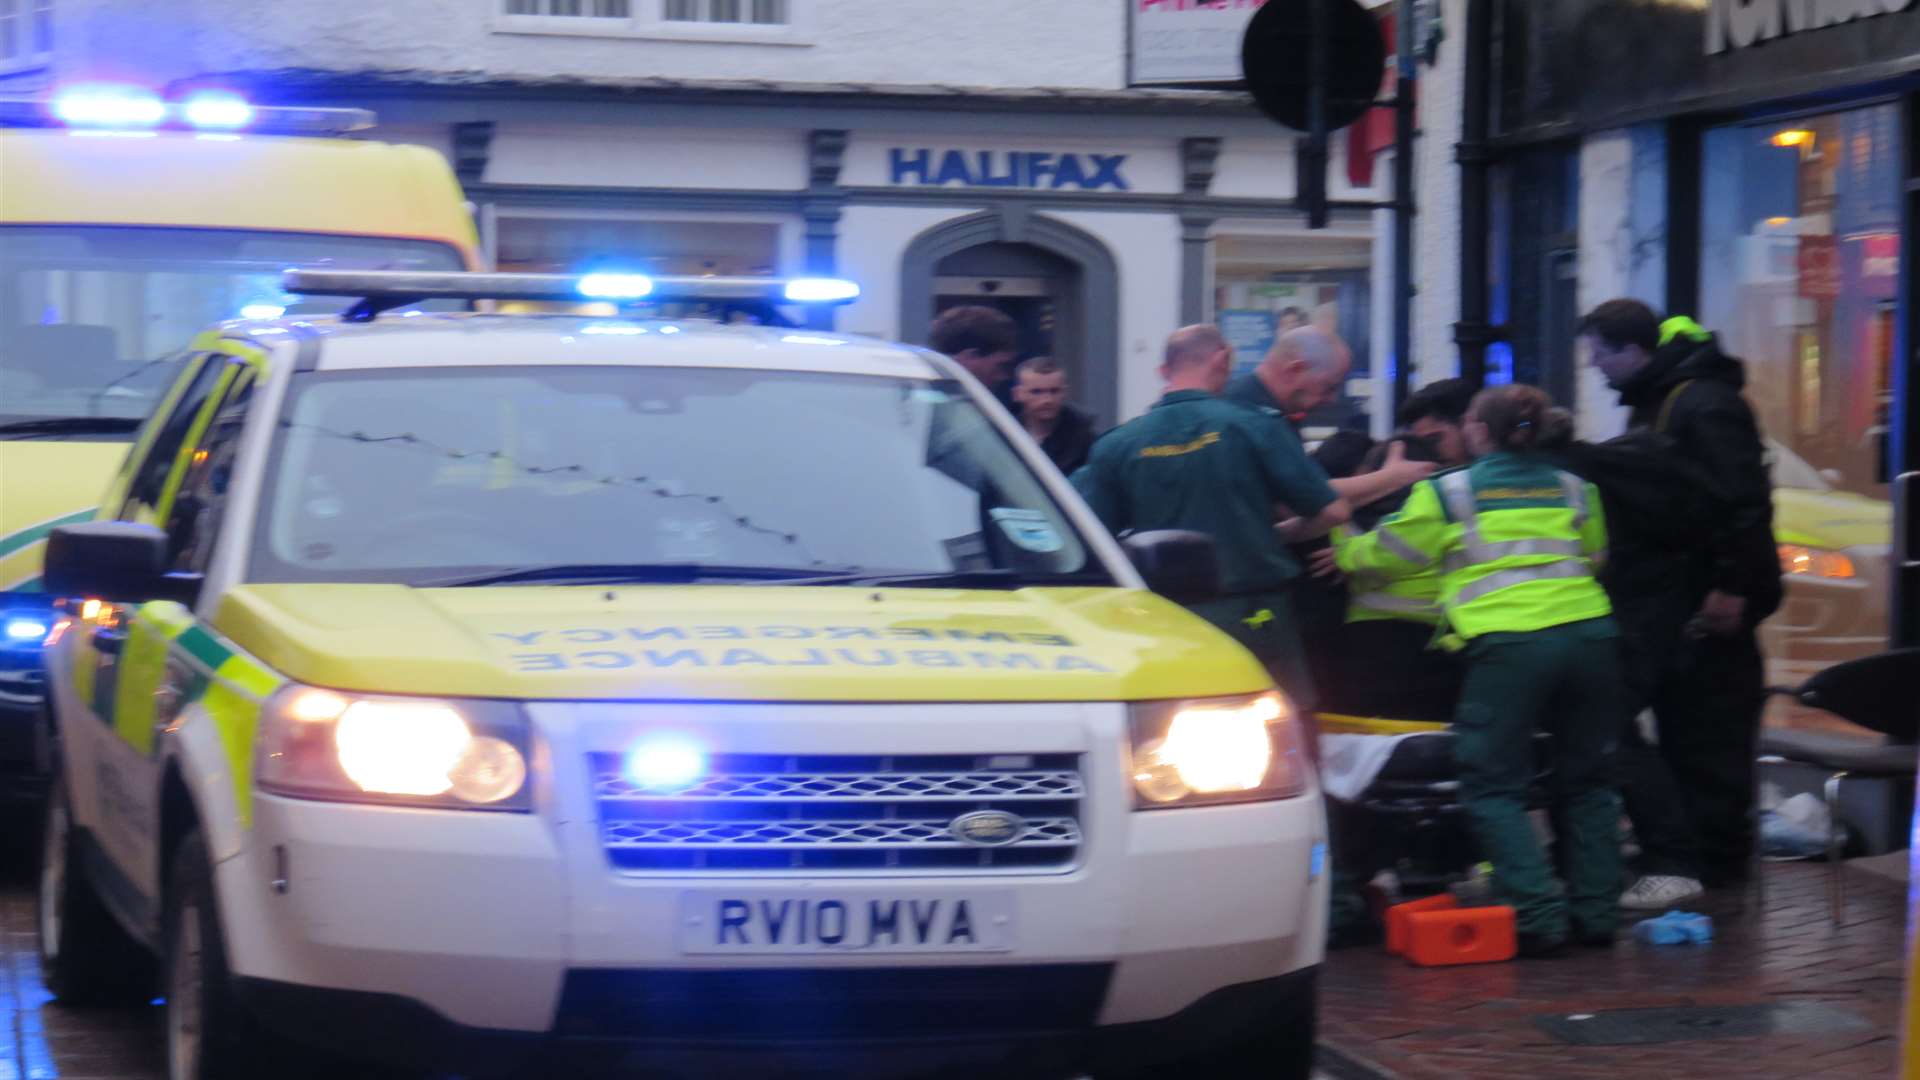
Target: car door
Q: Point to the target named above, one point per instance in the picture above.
(83, 682)
(140, 680)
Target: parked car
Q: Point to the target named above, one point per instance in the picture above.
(1834, 554)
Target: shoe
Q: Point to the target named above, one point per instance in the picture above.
(1542, 946)
(1660, 892)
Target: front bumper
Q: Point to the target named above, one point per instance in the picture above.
(518, 924)
(1020, 1022)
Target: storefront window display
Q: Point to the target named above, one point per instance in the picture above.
(1253, 313)
(1800, 275)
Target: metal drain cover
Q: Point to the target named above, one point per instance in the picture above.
(1637, 1027)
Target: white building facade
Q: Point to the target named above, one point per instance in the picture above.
(937, 152)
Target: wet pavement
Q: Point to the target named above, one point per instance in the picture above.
(1833, 995)
(38, 1039)
(1825, 999)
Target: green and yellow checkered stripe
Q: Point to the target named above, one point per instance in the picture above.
(229, 685)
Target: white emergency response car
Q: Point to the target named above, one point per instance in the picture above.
(486, 692)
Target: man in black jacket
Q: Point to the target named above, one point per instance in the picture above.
(1693, 656)
(1040, 402)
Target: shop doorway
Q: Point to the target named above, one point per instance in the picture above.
(1039, 290)
(1058, 284)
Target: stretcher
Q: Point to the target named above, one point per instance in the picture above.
(1397, 798)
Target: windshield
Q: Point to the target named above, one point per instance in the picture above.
(425, 477)
(93, 318)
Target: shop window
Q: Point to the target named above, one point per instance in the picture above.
(690, 248)
(753, 21)
(26, 34)
(758, 12)
(595, 9)
(1800, 270)
(569, 245)
(1267, 285)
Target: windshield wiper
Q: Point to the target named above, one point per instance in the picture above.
(993, 578)
(68, 425)
(639, 574)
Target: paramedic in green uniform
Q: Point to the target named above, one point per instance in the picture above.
(1518, 543)
(1196, 461)
(1306, 369)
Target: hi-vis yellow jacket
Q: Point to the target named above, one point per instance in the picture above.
(1516, 542)
(1374, 596)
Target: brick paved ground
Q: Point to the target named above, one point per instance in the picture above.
(1396, 1020)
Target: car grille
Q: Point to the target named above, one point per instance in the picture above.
(843, 813)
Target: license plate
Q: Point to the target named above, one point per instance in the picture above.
(714, 921)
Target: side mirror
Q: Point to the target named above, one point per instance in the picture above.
(1177, 564)
(121, 561)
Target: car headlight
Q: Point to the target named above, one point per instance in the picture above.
(1798, 559)
(318, 744)
(1216, 750)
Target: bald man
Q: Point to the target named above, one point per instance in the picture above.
(1305, 370)
(1196, 461)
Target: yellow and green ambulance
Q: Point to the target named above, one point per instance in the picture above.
(480, 693)
(127, 224)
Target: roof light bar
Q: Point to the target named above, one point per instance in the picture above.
(821, 291)
(109, 107)
(385, 289)
(614, 286)
(216, 111)
(125, 108)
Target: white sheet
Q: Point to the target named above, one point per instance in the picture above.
(1350, 763)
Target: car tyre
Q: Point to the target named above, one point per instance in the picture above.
(209, 1035)
(86, 958)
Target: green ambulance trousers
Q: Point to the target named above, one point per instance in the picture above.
(1564, 680)
(1265, 624)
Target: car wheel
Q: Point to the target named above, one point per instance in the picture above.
(208, 1036)
(85, 956)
